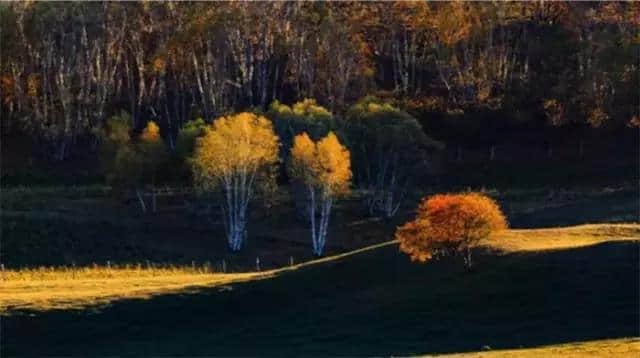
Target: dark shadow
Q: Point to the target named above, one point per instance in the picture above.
(605, 208)
(375, 303)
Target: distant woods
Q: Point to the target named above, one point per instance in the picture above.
(67, 67)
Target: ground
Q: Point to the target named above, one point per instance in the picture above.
(559, 289)
(620, 348)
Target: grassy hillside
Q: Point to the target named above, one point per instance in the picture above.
(69, 287)
(374, 302)
(83, 225)
(43, 289)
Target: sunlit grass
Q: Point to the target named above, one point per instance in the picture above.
(69, 287)
(562, 238)
(66, 287)
(621, 348)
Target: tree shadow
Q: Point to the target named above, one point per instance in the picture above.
(375, 303)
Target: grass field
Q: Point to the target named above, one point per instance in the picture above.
(618, 348)
(43, 289)
(68, 287)
(552, 290)
(562, 238)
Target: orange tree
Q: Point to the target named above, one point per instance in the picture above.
(450, 223)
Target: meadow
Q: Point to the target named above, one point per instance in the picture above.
(86, 273)
(319, 178)
(557, 290)
(516, 299)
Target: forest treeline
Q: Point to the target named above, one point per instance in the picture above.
(67, 67)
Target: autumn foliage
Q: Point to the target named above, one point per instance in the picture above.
(450, 223)
(234, 145)
(324, 168)
(232, 156)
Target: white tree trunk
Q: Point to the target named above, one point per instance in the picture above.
(312, 219)
(238, 191)
(143, 206)
(324, 223)
(319, 228)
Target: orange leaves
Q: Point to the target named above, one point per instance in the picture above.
(325, 165)
(7, 86)
(151, 133)
(414, 240)
(151, 145)
(450, 222)
(33, 85)
(159, 65)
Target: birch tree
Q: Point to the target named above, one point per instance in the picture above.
(324, 167)
(231, 157)
(390, 150)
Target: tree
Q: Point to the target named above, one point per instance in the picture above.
(129, 162)
(303, 116)
(153, 154)
(389, 148)
(232, 154)
(324, 167)
(186, 141)
(450, 223)
(120, 161)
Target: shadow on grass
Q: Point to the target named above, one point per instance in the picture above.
(374, 303)
(613, 207)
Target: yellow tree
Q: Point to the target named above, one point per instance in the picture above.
(233, 152)
(325, 170)
(450, 223)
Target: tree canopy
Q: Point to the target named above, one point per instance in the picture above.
(67, 67)
(390, 150)
(448, 223)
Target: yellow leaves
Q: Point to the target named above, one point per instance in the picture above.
(305, 108)
(33, 85)
(597, 117)
(303, 158)
(450, 221)
(325, 165)
(335, 164)
(151, 133)
(241, 143)
(554, 111)
(309, 107)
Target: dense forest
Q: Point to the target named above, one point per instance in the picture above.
(456, 66)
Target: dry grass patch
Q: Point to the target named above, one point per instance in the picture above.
(619, 348)
(49, 288)
(562, 238)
